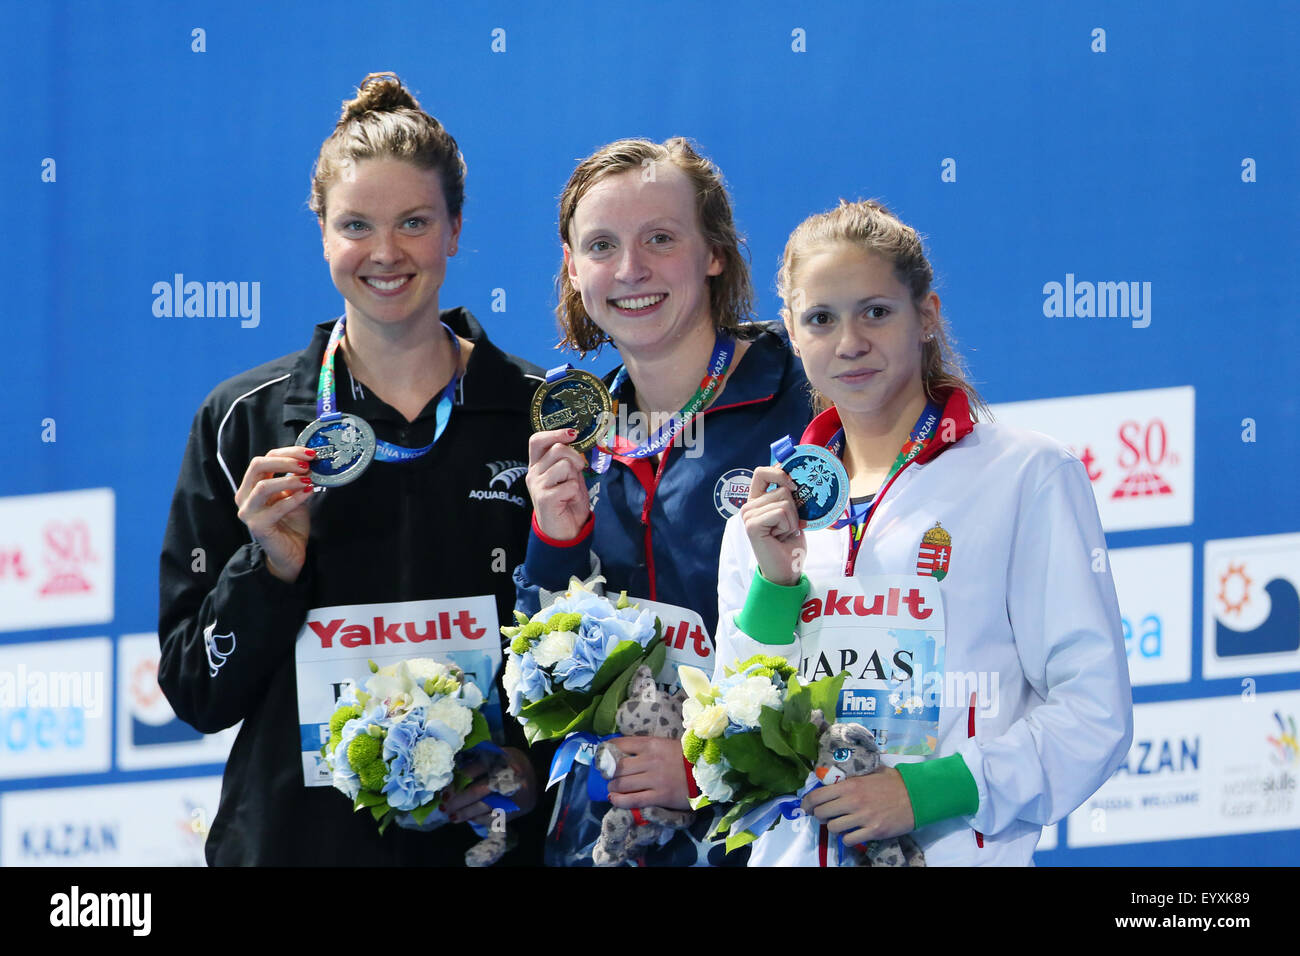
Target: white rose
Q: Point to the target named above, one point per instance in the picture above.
(460, 719)
(690, 710)
(708, 777)
(745, 701)
(554, 647)
(431, 762)
(709, 722)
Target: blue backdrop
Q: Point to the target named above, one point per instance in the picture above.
(144, 140)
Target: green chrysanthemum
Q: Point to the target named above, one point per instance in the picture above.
(341, 717)
(713, 750)
(767, 664)
(564, 622)
(692, 746)
(365, 754)
(520, 644)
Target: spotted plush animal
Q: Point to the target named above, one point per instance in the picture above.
(849, 750)
(647, 712)
(503, 780)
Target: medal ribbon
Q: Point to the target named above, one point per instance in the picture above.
(327, 410)
(857, 517)
(724, 349)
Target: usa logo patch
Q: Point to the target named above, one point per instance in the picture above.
(935, 553)
(732, 491)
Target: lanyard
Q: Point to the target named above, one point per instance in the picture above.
(724, 348)
(327, 410)
(857, 517)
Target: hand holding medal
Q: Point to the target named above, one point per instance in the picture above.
(272, 507)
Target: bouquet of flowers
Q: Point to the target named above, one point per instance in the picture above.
(752, 736)
(393, 746)
(567, 669)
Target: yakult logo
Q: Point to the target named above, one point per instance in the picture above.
(888, 603)
(379, 630)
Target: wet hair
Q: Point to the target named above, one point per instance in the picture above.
(730, 293)
(868, 225)
(384, 121)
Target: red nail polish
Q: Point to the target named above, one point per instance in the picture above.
(305, 481)
(311, 452)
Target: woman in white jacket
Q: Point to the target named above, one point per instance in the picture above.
(966, 590)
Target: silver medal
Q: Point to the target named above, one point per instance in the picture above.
(344, 447)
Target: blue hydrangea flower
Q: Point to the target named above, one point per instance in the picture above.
(534, 683)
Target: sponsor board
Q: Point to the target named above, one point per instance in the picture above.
(54, 707)
(56, 559)
(336, 644)
(151, 823)
(1154, 586)
(1198, 768)
(149, 734)
(1251, 606)
(685, 638)
(1137, 447)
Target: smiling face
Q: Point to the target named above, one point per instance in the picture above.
(387, 237)
(637, 257)
(858, 332)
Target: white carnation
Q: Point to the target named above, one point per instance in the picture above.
(554, 647)
(745, 701)
(470, 695)
(511, 677)
(431, 762)
(348, 782)
(708, 777)
(450, 712)
(708, 722)
(690, 710)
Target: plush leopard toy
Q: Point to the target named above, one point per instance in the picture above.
(503, 780)
(647, 712)
(849, 750)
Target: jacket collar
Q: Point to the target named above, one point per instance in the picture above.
(956, 408)
(488, 367)
(762, 372)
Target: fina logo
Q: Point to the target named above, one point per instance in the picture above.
(1277, 633)
(152, 719)
(732, 491)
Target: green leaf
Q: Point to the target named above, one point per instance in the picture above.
(736, 840)
(558, 712)
(798, 704)
(479, 732)
(460, 780)
(379, 811)
(779, 740)
(420, 814)
(803, 738)
(626, 654)
(763, 768)
(656, 651)
(369, 798)
(385, 819)
(739, 809)
(826, 694)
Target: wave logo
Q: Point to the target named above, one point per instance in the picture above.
(1286, 745)
(1252, 605)
(152, 719)
(505, 472)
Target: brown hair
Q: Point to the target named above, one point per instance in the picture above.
(730, 293)
(384, 121)
(871, 226)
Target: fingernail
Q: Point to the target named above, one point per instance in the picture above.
(311, 452)
(305, 481)
(573, 433)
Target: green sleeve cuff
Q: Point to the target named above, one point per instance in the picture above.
(940, 789)
(771, 611)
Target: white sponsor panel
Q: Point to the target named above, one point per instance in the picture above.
(152, 823)
(685, 638)
(149, 734)
(1251, 606)
(1154, 586)
(1200, 768)
(1137, 447)
(56, 559)
(55, 710)
(336, 643)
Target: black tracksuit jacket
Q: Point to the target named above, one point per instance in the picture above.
(418, 530)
